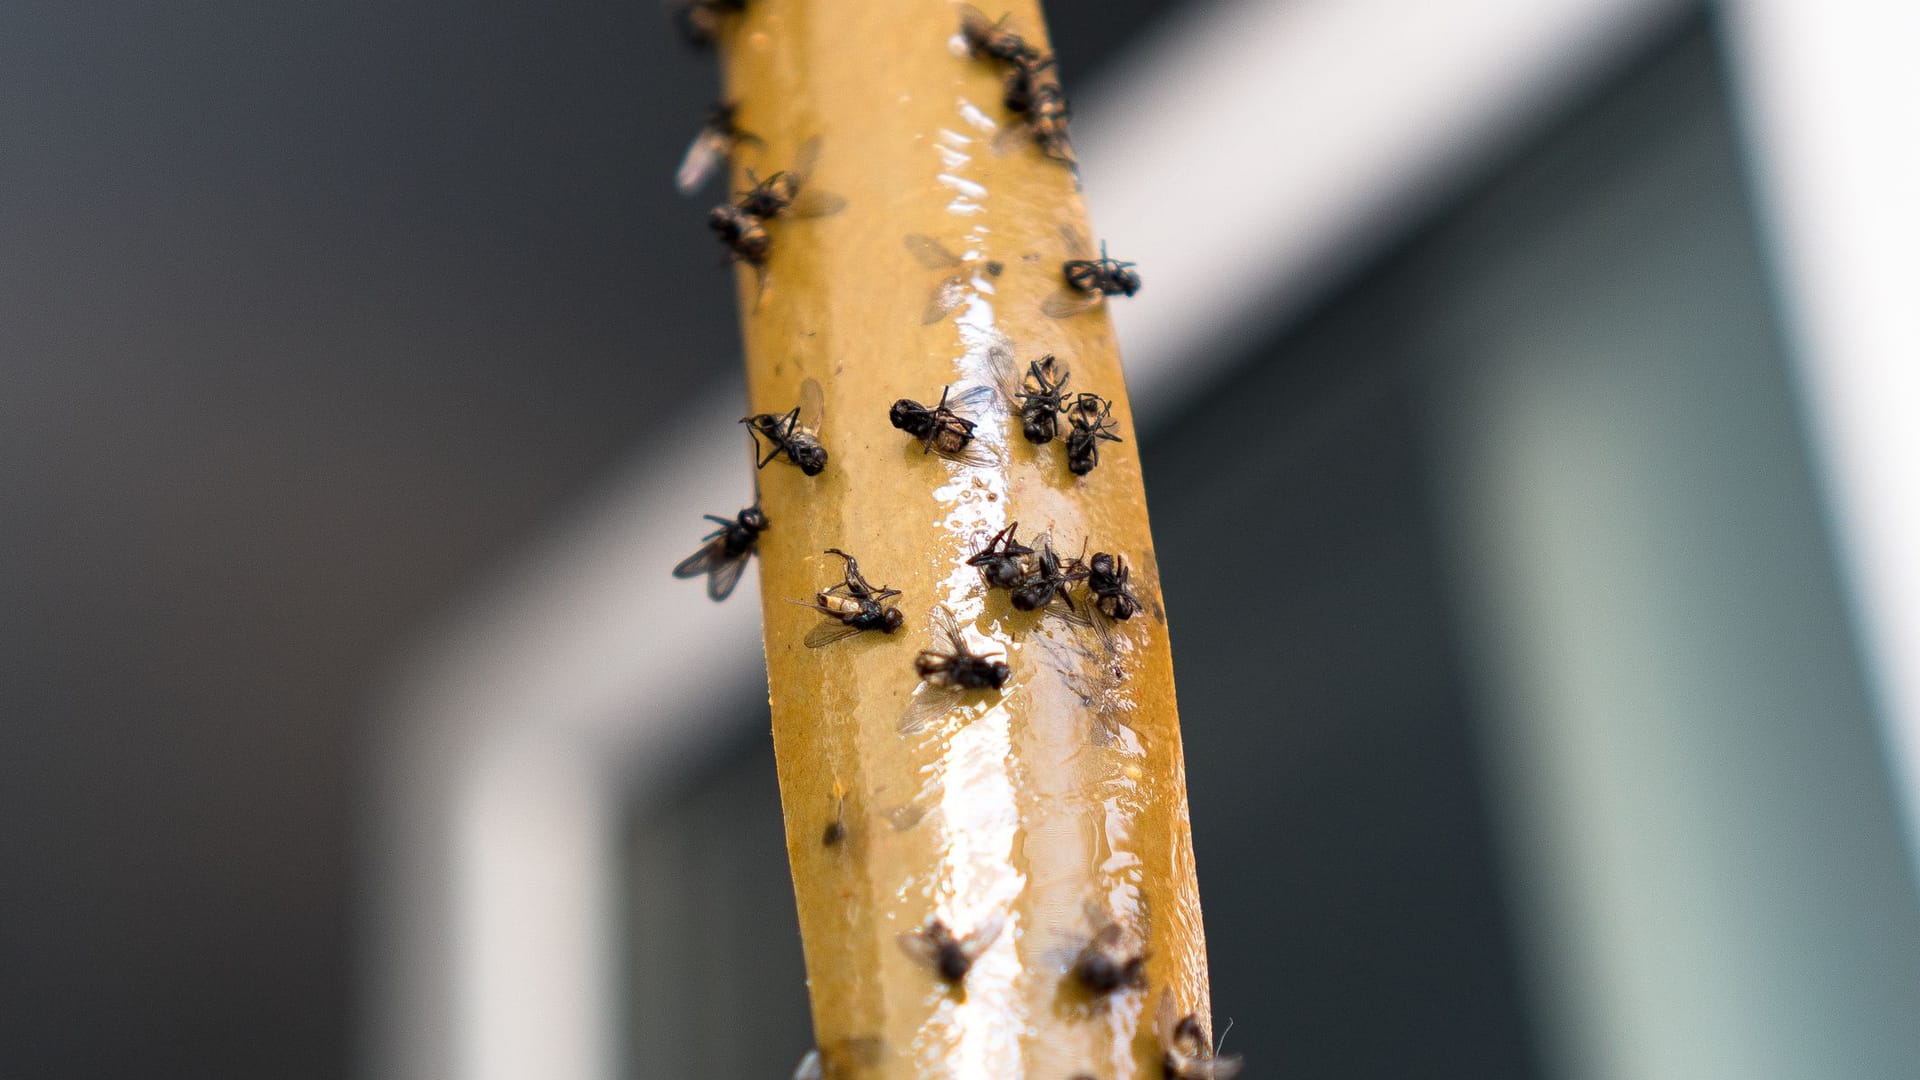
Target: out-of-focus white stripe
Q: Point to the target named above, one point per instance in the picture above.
(1832, 104)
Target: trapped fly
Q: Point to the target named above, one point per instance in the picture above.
(1186, 1052)
(951, 956)
(1092, 423)
(942, 429)
(1107, 580)
(795, 433)
(1004, 562)
(1037, 397)
(1089, 281)
(701, 21)
(1049, 582)
(787, 193)
(716, 140)
(724, 555)
(852, 606)
(1113, 959)
(989, 39)
(948, 671)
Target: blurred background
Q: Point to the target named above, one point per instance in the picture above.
(1546, 358)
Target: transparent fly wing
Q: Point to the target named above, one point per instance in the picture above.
(1068, 302)
(1165, 1018)
(1011, 137)
(710, 555)
(930, 703)
(1076, 242)
(704, 154)
(931, 253)
(813, 405)
(971, 400)
(922, 948)
(1006, 375)
(816, 204)
(725, 574)
(805, 160)
(829, 632)
(974, 22)
(947, 636)
(983, 936)
(973, 454)
(1065, 608)
(809, 1067)
(947, 295)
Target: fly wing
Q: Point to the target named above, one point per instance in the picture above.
(712, 553)
(1165, 1017)
(1006, 375)
(969, 402)
(813, 405)
(916, 944)
(931, 253)
(972, 454)
(946, 632)
(946, 296)
(1068, 302)
(813, 204)
(1065, 608)
(805, 159)
(926, 706)
(1076, 241)
(828, 632)
(809, 1067)
(703, 154)
(725, 574)
(983, 936)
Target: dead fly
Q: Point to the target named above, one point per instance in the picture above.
(786, 194)
(1049, 583)
(948, 671)
(724, 555)
(1112, 959)
(711, 146)
(1107, 581)
(1037, 397)
(836, 829)
(1005, 561)
(941, 429)
(700, 20)
(1092, 420)
(950, 956)
(1023, 81)
(851, 606)
(1186, 1053)
(989, 39)
(744, 235)
(1088, 280)
(951, 290)
(795, 433)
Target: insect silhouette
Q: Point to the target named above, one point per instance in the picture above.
(787, 193)
(951, 956)
(851, 607)
(989, 39)
(1023, 82)
(1092, 424)
(1037, 397)
(701, 21)
(1049, 582)
(1089, 281)
(950, 291)
(745, 235)
(716, 140)
(1113, 959)
(942, 429)
(724, 555)
(794, 433)
(1005, 561)
(948, 671)
(836, 829)
(1107, 580)
(1186, 1053)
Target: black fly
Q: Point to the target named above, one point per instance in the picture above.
(989, 39)
(1186, 1053)
(951, 956)
(851, 606)
(1112, 959)
(787, 194)
(1049, 582)
(941, 429)
(948, 671)
(1092, 423)
(724, 555)
(711, 146)
(1088, 280)
(1037, 397)
(1107, 581)
(795, 433)
(1005, 561)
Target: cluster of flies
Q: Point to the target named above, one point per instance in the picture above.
(1093, 592)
